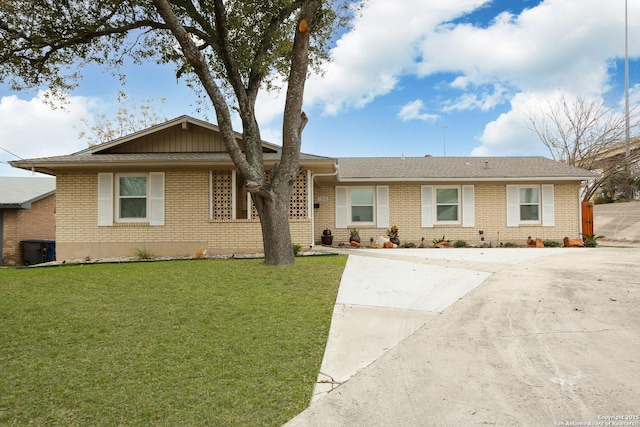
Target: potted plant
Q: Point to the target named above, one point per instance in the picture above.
(327, 238)
(354, 235)
(393, 235)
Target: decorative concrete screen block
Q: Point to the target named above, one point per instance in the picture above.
(298, 206)
(222, 194)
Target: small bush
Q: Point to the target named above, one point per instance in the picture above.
(296, 249)
(552, 244)
(460, 244)
(409, 245)
(591, 240)
(437, 240)
(510, 245)
(143, 253)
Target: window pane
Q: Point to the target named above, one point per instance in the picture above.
(362, 214)
(529, 195)
(362, 196)
(447, 195)
(447, 213)
(133, 208)
(133, 185)
(529, 213)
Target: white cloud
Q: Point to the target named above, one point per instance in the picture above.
(32, 128)
(414, 111)
(369, 61)
(509, 134)
(555, 44)
(489, 98)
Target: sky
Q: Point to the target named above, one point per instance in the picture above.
(410, 78)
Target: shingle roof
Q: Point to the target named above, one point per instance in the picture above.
(16, 192)
(456, 168)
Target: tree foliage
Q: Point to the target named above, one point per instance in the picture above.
(227, 49)
(585, 133)
(131, 117)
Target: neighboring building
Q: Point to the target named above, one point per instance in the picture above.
(27, 212)
(173, 188)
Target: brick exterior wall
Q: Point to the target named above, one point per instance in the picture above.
(490, 216)
(27, 224)
(187, 225)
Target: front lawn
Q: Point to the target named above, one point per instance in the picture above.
(165, 343)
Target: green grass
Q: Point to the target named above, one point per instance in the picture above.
(165, 343)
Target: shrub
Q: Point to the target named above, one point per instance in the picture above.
(436, 240)
(591, 240)
(460, 244)
(510, 245)
(143, 253)
(552, 244)
(296, 249)
(409, 245)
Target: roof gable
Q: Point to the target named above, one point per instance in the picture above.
(183, 134)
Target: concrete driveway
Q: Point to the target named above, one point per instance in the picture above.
(439, 337)
(618, 221)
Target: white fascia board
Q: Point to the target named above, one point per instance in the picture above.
(500, 179)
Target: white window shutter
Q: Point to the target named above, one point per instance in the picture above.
(105, 199)
(427, 206)
(382, 206)
(513, 206)
(548, 209)
(341, 207)
(156, 198)
(468, 207)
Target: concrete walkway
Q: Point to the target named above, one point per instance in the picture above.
(513, 336)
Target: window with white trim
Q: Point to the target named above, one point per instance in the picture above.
(447, 204)
(131, 197)
(443, 205)
(132, 202)
(362, 205)
(531, 204)
(529, 201)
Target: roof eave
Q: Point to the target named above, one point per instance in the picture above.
(474, 179)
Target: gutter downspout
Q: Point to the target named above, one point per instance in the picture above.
(312, 197)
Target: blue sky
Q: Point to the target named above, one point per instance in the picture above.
(410, 78)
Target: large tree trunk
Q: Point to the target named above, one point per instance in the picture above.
(274, 220)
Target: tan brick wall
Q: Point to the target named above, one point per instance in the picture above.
(187, 225)
(490, 216)
(27, 224)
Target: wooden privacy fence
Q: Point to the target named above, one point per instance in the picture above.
(587, 218)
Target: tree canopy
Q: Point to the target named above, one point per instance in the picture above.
(228, 50)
